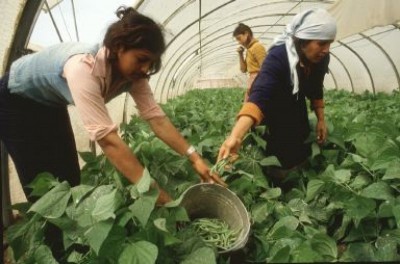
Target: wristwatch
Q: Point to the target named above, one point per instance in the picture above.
(190, 151)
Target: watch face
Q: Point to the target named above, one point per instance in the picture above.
(190, 151)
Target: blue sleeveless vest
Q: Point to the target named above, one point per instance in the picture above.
(38, 76)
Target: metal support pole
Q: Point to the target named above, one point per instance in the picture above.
(53, 21)
(6, 212)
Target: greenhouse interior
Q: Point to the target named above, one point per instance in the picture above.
(264, 131)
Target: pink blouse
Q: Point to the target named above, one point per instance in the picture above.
(89, 80)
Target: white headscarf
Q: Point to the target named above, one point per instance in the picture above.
(314, 24)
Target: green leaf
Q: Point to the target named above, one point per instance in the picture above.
(26, 237)
(141, 252)
(310, 231)
(281, 256)
(176, 202)
(386, 250)
(393, 171)
(287, 222)
(338, 141)
(329, 174)
(79, 192)
(53, 203)
(368, 144)
(260, 212)
(314, 187)
(379, 190)
(360, 181)
(305, 254)
(87, 156)
(160, 223)
(144, 183)
(75, 257)
(43, 255)
(325, 246)
(144, 205)
(204, 255)
(385, 209)
(366, 230)
(112, 246)
(82, 213)
(270, 161)
(271, 193)
(22, 227)
(106, 205)
(315, 150)
(260, 141)
(396, 213)
(358, 252)
(342, 176)
(97, 233)
(359, 207)
(385, 156)
(170, 239)
(42, 184)
(133, 191)
(64, 223)
(341, 231)
(180, 214)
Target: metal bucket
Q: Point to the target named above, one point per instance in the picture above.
(207, 200)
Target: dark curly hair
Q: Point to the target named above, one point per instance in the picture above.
(135, 31)
(241, 29)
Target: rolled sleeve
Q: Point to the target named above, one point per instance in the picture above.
(317, 103)
(86, 93)
(253, 111)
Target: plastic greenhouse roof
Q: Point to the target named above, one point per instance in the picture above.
(201, 50)
(201, 46)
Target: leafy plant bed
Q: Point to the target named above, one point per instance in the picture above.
(343, 205)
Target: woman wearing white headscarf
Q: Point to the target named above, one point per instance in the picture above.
(293, 70)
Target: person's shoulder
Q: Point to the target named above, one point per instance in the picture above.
(72, 47)
(277, 53)
(278, 50)
(276, 58)
(258, 44)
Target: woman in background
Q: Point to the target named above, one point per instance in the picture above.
(255, 54)
(293, 70)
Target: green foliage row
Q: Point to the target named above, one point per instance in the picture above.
(343, 205)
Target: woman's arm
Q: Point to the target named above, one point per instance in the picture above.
(121, 156)
(125, 161)
(232, 144)
(167, 132)
(321, 130)
(242, 62)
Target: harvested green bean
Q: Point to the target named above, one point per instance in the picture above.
(215, 232)
(219, 167)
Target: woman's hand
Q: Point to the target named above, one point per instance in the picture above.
(321, 132)
(163, 197)
(231, 147)
(205, 173)
(168, 133)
